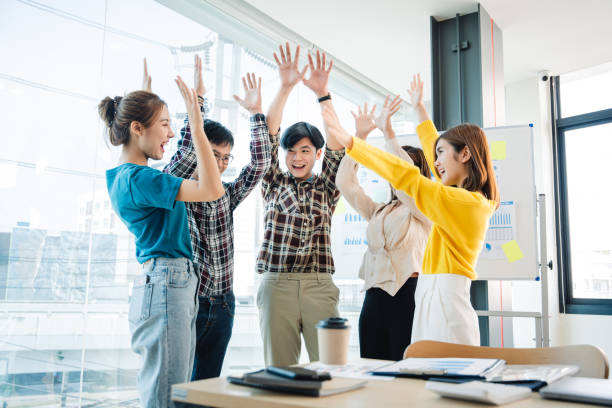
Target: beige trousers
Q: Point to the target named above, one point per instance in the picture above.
(290, 304)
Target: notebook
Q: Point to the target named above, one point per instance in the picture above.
(580, 389)
(267, 381)
(443, 368)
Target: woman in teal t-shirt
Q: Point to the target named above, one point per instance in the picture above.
(164, 303)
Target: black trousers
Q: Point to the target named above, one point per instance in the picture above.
(385, 322)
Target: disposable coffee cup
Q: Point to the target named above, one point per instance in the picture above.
(333, 335)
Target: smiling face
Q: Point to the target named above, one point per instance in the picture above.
(152, 140)
(301, 158)
(451, 165)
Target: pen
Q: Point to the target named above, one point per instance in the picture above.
(420, 371)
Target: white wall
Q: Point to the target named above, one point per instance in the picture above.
(376, 38)
(529, 102)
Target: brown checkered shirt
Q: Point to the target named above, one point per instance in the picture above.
(298, 217)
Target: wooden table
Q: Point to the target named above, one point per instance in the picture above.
(399, 392)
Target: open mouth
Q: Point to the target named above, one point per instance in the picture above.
(298, 167)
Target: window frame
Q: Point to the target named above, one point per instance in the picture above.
(568, 303)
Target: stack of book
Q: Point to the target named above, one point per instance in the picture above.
(317, 388)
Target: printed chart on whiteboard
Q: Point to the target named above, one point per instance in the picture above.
(502, 229)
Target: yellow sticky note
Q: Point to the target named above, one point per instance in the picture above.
(512, 251)
(340, 207)
(498, 150)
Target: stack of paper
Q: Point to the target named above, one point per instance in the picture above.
(449, 368)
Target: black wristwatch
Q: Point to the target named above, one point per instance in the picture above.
(325, 98)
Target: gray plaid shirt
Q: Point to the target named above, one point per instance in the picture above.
(212, 223)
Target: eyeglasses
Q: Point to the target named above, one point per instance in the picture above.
(225, 159)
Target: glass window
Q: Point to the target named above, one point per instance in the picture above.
(586, 91)
(588, 206)
(66, 261)
(583, 142)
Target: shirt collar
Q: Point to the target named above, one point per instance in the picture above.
(310, 179)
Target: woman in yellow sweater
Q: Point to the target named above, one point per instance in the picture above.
(459, 203)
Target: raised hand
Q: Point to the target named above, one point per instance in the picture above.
(364, 121)
(198, 81)
(288, 69)
(252, 94)
(390, 108)
(146, 78)
(191, 103)
(319, 75)
(416, 91)
(416, 98)
(334, 128)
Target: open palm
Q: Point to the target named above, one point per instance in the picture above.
(319, 74)
(383, 120)
(252, 94)
(364, 121)
(288, 69)
(416, 90)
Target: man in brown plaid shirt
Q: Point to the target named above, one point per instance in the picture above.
(212, 224)
(295, 257)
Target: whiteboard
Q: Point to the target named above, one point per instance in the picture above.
(510, 250)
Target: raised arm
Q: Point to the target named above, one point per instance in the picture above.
(346, 178)
(259, 146)
(146, 78)
(435, 200)
(383, 122)
(208, 187)
(424, 129)
(416, 98)
(290, 75)
(319, 77)
(183, 162)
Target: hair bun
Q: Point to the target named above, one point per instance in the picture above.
(107, 109)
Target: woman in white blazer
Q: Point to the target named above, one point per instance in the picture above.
(397, 233)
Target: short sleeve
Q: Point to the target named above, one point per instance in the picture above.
(152, 188)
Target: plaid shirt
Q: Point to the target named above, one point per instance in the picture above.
(212, 223)
(298, 217)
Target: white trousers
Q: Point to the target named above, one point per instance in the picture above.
(443, 311)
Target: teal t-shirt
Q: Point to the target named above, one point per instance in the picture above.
(145, 200)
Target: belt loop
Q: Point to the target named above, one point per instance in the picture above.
(318, 277)
(277, 276)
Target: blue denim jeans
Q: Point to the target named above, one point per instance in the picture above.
(213, 331)
(163, 310)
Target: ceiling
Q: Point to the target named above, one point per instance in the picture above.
(388, 40)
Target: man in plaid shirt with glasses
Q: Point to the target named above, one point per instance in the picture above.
(212, 225)
(295, 259)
